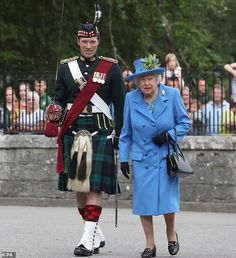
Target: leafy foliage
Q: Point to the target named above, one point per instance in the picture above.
(201, 33)
(150, 62)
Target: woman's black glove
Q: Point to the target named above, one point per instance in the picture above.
(159, 139)
(124, 166)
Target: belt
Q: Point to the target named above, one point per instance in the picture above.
(89, 109)
(95, 133)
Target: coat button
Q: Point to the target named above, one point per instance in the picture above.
(153, 124)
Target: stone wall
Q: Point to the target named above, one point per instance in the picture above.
(27, 174)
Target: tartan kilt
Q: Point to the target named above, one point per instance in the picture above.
(103, 174)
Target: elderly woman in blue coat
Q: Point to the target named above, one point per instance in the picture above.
(151, 111)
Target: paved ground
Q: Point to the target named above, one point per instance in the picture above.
(52, 232)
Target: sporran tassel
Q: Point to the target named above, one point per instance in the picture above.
(82, 167)
(73, 165)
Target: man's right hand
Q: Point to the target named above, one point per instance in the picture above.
(124, 166)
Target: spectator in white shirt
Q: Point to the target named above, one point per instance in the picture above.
(32, 119)
(213, 112)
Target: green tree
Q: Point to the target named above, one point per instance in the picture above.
(201, 33)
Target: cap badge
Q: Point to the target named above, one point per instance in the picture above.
(81, 81)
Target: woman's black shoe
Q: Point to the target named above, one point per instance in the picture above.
(173, 246)
(148, 252)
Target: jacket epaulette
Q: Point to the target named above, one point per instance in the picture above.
(67, 60)
(109, 59)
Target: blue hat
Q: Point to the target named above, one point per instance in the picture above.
(146, 66)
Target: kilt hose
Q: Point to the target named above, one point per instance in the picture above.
(103, 175)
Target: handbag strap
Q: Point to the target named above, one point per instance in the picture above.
(175, 145)
(168, 143)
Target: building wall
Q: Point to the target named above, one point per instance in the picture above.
(27, 174)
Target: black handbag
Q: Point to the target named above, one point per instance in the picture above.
(177, 164)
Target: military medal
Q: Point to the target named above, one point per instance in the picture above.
(103, 77)
(99, 77)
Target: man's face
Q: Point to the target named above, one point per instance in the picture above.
(40, 87)
(36, 86)
(88, 46)
(218, 96)
(202, 87)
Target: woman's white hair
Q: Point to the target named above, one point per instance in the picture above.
(158, 77)
(33, 94)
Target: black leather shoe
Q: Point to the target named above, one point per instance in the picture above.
(82, 251)
(149, 253)
(173, 246)
(96, 250)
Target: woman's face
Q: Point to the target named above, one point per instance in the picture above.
(32, 102)
(23, 91)
(185, 96)
(9, 96)
(148, 85)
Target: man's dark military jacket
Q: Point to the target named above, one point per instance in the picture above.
(112, 91)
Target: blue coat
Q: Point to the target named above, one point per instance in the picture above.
(155, 193)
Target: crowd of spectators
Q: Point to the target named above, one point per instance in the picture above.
(24, 107)
(209, 110)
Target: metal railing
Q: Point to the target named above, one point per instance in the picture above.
(24, 97)
(209, 114)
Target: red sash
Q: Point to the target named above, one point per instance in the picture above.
(81, 101)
